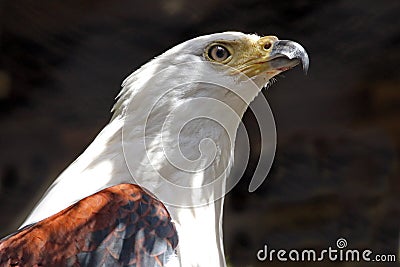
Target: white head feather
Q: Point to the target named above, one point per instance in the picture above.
(173, 132)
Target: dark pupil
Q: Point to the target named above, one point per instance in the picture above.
(220, 52)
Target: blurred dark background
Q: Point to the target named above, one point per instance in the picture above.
(336, 172)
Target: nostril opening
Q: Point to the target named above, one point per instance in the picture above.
(267, 45)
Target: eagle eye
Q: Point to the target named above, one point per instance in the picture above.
(218, 53)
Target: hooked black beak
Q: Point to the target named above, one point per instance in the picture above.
(287, 54)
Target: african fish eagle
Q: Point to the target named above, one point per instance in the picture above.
(157, 172)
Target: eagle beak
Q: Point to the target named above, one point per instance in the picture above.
(268, 56)
(287, 54)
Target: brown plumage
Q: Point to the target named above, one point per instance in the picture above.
(119, 226)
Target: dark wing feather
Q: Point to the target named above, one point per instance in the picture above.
(118, 226)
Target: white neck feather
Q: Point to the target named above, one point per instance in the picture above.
(131, 148)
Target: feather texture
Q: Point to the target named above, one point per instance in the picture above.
(121, 225)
